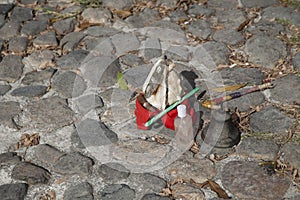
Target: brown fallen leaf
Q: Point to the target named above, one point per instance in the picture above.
(122, 13)
(229, 88)
(244, 24)
(217, 189)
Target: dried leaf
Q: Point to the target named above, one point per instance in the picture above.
(198, 185)
(244, 24)
(86, 24)
(52, 195)
(121, 81)
(229, 88)
(217, 189)
(122, 13)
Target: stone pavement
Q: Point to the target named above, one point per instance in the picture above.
(67, 71)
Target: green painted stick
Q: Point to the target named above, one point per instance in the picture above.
(161, 114)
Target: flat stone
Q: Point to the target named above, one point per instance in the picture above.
(73, 163)
(16, 191)
(169, 36)
(281, 12)
(246, 102)
(249, 180)
(11, 68)
(144, 18)
(266, 28)
(258, 149)
(282, 90)
(178, 53)
(38, 77)
(101, 31)
(30, 173)
(132, 60)
(191, 168)
(9, 158)
(229, 36)
(178, 15)
(50, 113)
(265, 50)
(199, 10)
(118, 4)
(88, 102)
(96, 16)
(71, 40)
(30, 91)
(166, 24)
(296, 61)
(18, 44)
(4, 89)
(291, 153)
(9, 110)
(270, 120)
(72, 60)
(125, 42)
(230, 19)
(99, 46)
(259, 4)
(152, 48)
(47, 39)
(137, 76)
(148, 183)
(238, 75)
(22, 14)
(64, 26)
(47, 154)
(154, 197)
(184, 191)
(5, 8)
(222, 5)
(200, 28)
(68, 84)
(116, 191)
(82, 190)
(39, 59)
(113, 172)
(34, 27)
(95, 133)
(10, 29)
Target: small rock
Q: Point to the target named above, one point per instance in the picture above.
(259, 149)
(47, 154)
(248, 180)
(113, 172)
(230, 37)
(148, 183)
(265, 50)
(38, 77)
(125, 42)
(152, 48)
(68, 84)
(11, 68)
(239, 75)
(296, 61)
(115, 191)
(198, 10)
(34, 27)
(259, 4)
(30, 91)
(30, 173)
(71, 40)
(9, 158)
(73, 163)
(118, 4)
(72, 60)
(9, 110)
(185, 192)
(154, 197)
(282, 91)
(144, 18)
(46, 40)
(96, 16)
(64, 26)
(15, 191)
(88, 102)
(39, 59)
(200, 28)
(18, 44)
(82, 190)
(22, 14)
(270, 120)
(101, 31)
(291, 153)
(4, 89)
(178, 53)
(10, 29)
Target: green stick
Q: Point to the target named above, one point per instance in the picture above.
(161, 114)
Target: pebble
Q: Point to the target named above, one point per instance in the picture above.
(239, 75)
(82, 190)
(34, 27)
(9, 158)
(15, 191)
(9, 110)
(229, 37)
(30, 173)
(258, 149)
(200, 29)
(11, 68)
(9, 30)
(282, 90)
(259, 4)
(47, 154)
(73, 163)
(96, 16)
(113, 172)
(45, 40)
(39, 59)
(38, 77)
(30, 91)
(18, 44)
(248, 180)
(291, 153)
(124, 43)
(70, 41)
(4, 89)
(154, 197)
(116, 191)
(270, 120)
(21, 14)
(68, 84)
(265, 50)
(296, 61)
(64, 26)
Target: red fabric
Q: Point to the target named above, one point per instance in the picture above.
(143, 115)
